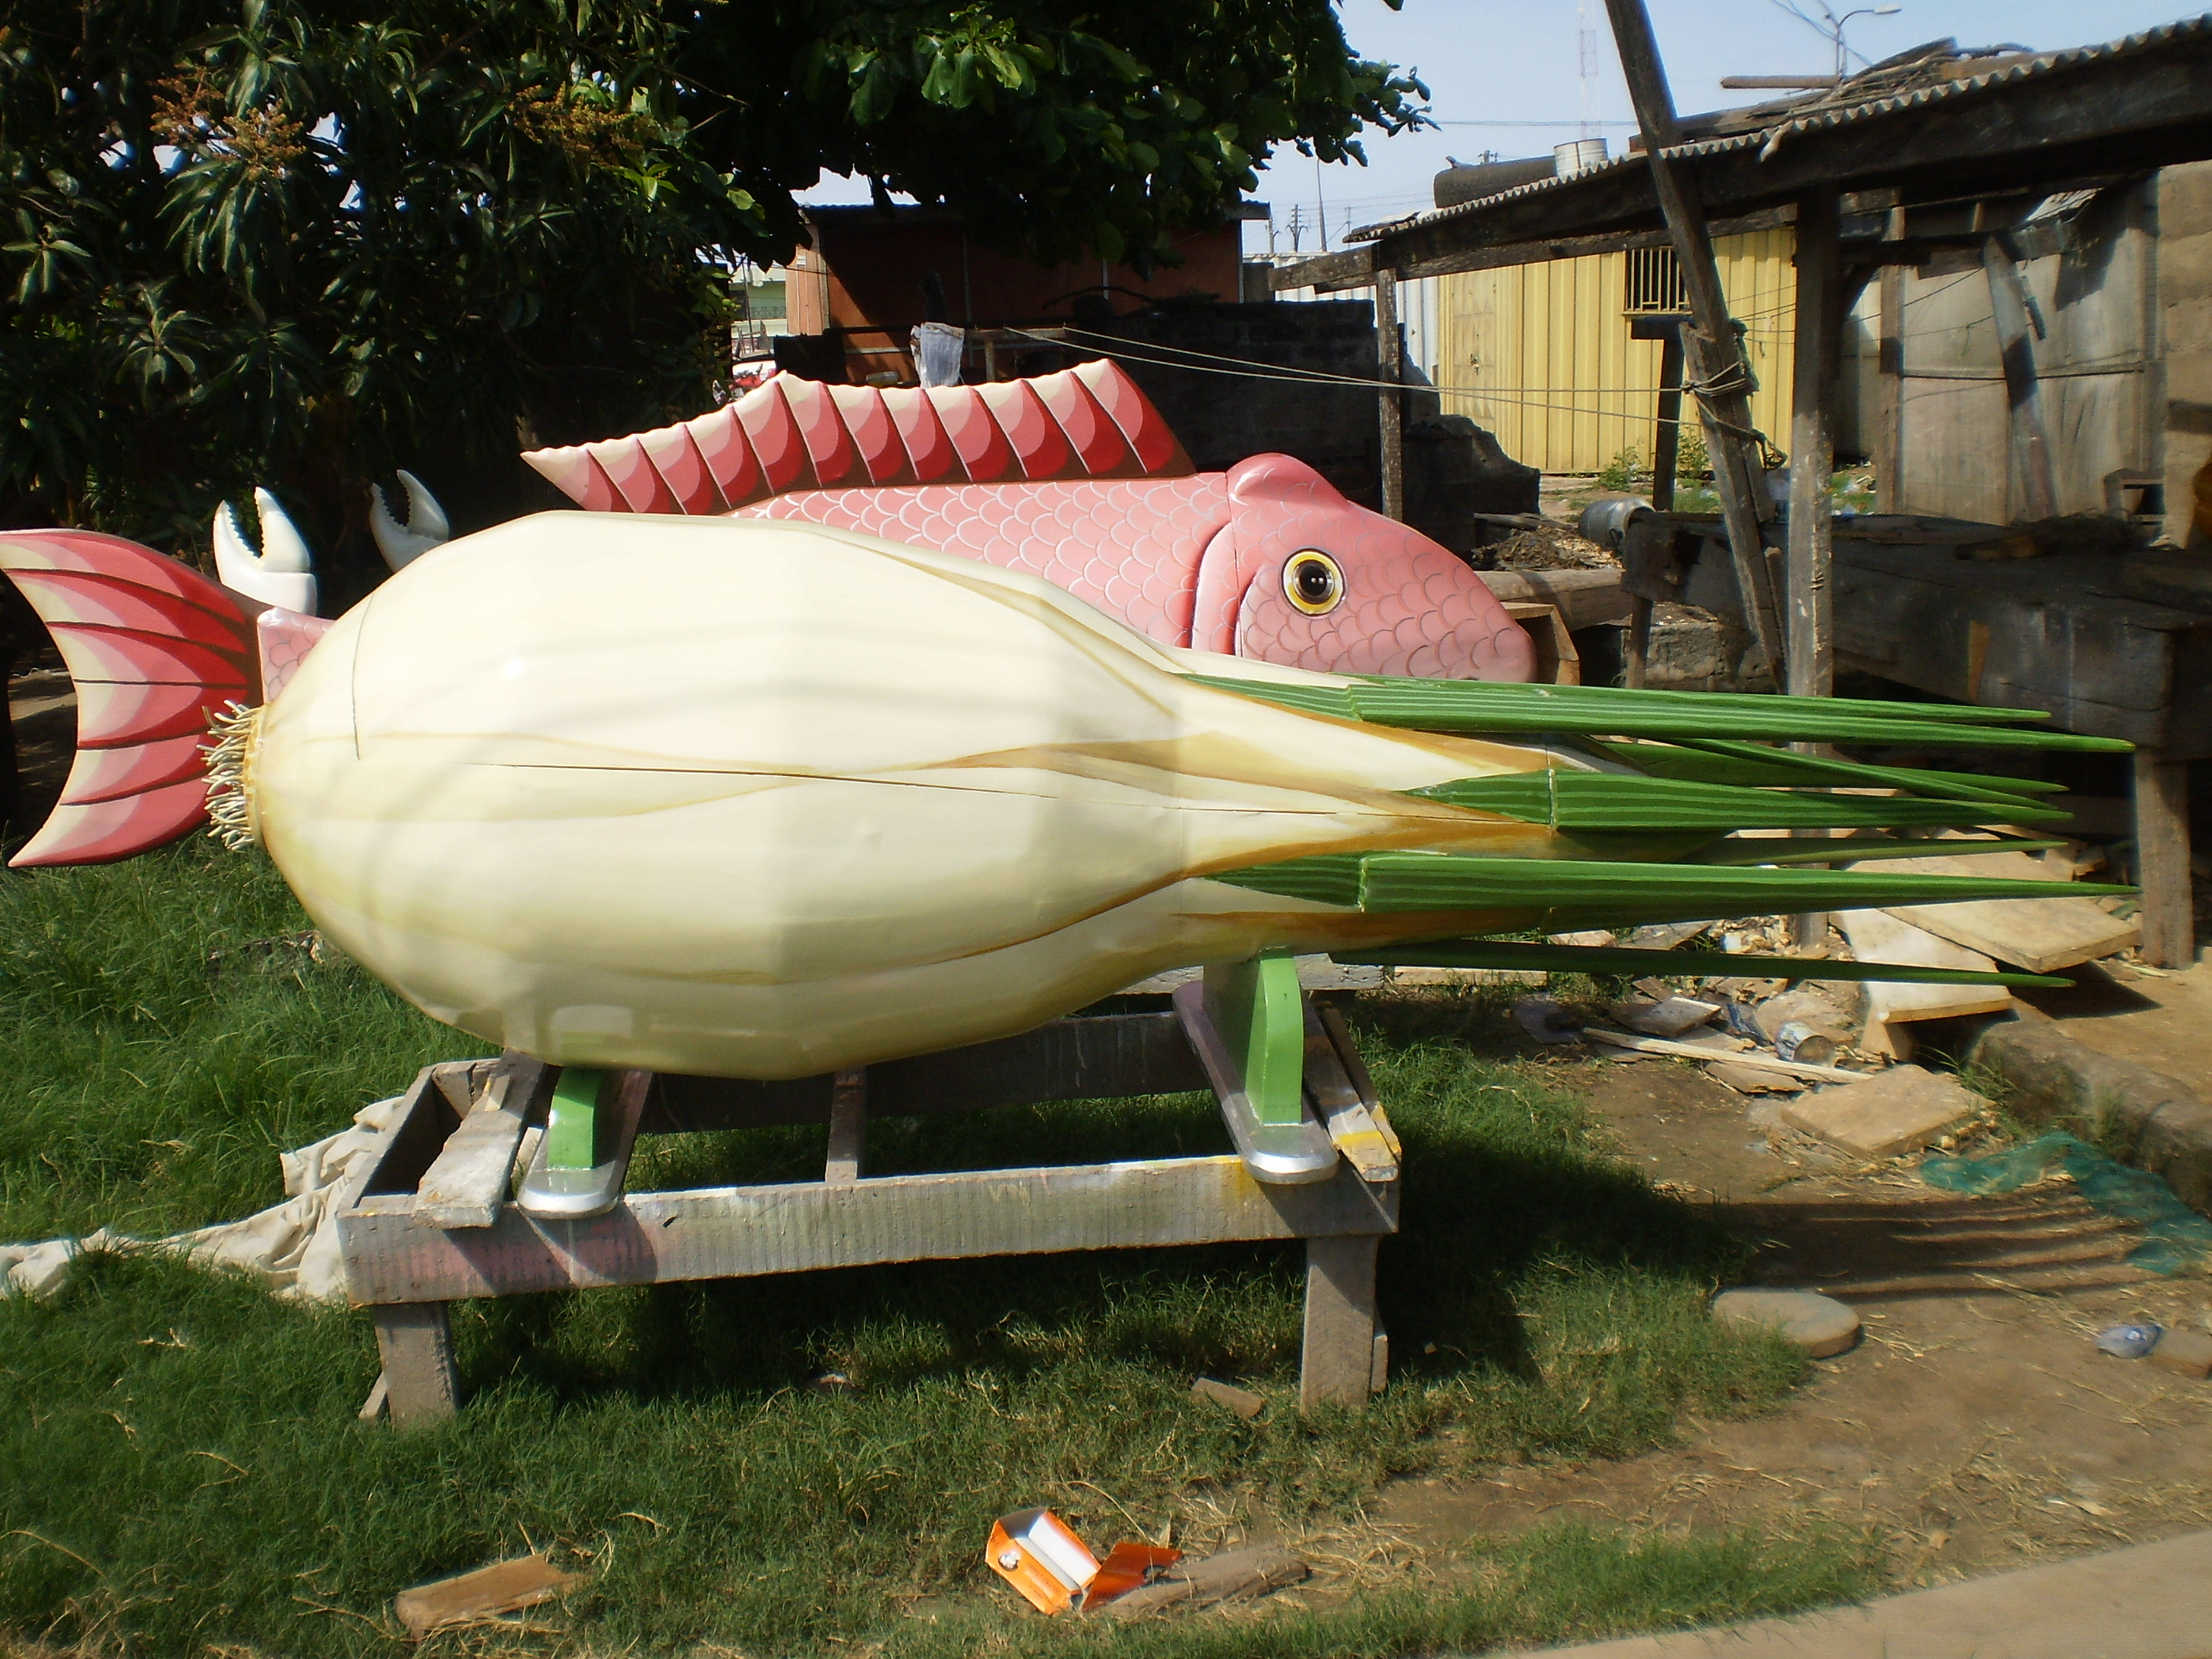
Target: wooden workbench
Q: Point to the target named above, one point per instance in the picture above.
(407, 1260)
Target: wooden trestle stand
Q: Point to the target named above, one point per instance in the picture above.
(435, 1218)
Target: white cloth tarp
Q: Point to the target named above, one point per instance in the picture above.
(293, 1245)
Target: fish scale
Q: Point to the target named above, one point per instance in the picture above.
(1130, 547)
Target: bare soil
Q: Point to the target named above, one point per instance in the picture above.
(1974, 1429)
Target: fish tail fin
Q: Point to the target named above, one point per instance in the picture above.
(155, 650)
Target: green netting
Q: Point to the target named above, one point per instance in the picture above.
(2176, 1239)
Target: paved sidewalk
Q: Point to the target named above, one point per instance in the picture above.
(2153, 1601)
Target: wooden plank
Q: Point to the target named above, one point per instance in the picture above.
(1876, 935)
(1558, 662)
(847, 1125)
(468, 1183)
(743, 1231)
(474, 1597)
(1337, 1367)
(1355, 1068)
(1231, 1576)
(2162, 847)
(1098, 1057)
(1352, 1127)
(2041, 935)
(1487, 256)
(1583, 598)
(2058, 638)
(415, 1339)
(410, 1142)
(1751, 1058)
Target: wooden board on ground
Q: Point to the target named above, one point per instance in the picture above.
(1878, 936)
(470, 1597)
(1230, 1576)
(2041, 935)
(1899, 1110)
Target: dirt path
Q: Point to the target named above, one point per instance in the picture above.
(1975, 1427)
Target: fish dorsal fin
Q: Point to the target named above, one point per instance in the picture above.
(789, 435)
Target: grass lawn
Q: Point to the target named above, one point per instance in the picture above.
(181, 1472)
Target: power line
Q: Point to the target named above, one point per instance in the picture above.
(1535, 123)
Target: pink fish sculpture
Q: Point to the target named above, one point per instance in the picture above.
(1075, 478)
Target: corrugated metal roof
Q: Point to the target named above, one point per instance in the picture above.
(1769, 139)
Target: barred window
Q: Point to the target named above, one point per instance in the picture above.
(1655, 282)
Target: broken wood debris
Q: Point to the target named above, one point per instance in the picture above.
(1243, 1401)
(485, 1593)
(1693, 1052)
(1231, 1576)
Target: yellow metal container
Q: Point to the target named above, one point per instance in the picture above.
(1542, 354)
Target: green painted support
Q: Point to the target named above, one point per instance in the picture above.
(572, 1128)
(1257, 1008)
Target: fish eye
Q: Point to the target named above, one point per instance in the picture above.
(1313, 581)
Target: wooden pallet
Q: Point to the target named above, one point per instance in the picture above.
(430, 1221)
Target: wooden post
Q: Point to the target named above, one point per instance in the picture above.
(1816, 358)
(1637, 668)
(1716, 360)
(1812, 451)
(1889, 383)
(2162, 847)
(1392, 411)
(414, 1340)
(1666, 442)
(2008, 304)
(847, 1125)
(1337, 1365)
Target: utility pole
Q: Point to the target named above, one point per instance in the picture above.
(1716, 360)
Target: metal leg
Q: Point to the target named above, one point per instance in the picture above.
(416, 1342)
(1338, 1364)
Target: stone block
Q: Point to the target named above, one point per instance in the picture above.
(1898, 1110)
(1819, 1324)
(2188, 1353)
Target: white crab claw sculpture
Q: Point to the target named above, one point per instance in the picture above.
(426, 527)
(282, 573)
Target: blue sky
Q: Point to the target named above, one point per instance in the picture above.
(1518, 61)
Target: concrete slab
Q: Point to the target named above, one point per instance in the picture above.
(2153, 1601)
